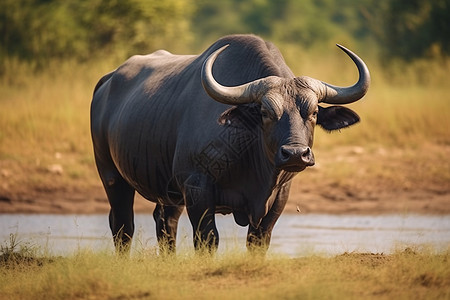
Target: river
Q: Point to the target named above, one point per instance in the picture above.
(293, 235)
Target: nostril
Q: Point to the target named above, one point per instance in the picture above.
(306, 153)
(285, 154)
(308, 157)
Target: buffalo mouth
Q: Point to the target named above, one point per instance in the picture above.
(293, 168)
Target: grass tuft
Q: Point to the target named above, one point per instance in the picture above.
(17, 254)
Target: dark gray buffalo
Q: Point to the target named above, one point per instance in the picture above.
(220, 132)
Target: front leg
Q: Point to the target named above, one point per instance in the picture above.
(199, 196)
(258, 239)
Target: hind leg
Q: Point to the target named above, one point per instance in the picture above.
(166, 219)
(121, 216)
(200, 206)
(121, 199)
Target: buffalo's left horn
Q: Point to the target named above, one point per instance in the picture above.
(344, 95)
(232, 95)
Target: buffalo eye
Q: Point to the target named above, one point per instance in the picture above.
(266, 114)
(313, 116)
(271, 107)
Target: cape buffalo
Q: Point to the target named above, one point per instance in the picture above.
(220, 132)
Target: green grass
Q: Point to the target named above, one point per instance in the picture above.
(407, 274)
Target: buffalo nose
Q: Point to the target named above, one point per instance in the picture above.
(292, 156)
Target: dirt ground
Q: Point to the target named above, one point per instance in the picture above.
(89, 201)
(344, 181)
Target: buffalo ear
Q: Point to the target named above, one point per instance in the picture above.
(240, 115)
(336, 117)
(227, 116)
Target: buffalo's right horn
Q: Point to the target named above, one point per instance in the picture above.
(232, 95)
(344, 95)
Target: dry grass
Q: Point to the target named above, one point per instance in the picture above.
(45, 141)
(417, 274)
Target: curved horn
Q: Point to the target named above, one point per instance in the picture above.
(344, 95)
(232, 95)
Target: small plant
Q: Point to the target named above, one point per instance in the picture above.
(14, 252)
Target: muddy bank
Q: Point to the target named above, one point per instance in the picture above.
(355, 180)
(334, 201)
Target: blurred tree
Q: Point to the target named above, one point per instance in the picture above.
(41, 30)
(409, 29)
(305, 23)
(29, 31)
(213, 19)
(135, 26)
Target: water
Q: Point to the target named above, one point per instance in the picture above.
(293, 235)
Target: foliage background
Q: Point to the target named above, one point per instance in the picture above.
(37, 31)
